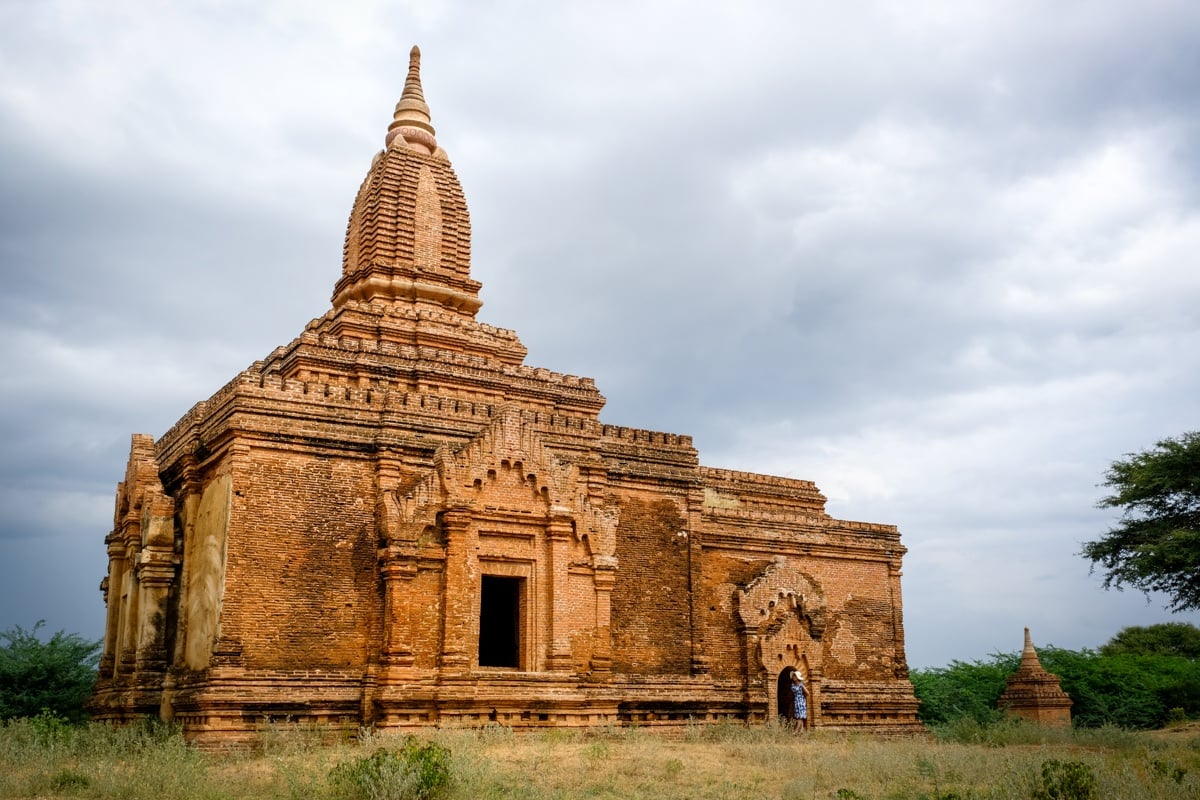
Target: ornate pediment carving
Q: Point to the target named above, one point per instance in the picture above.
(511, 444)
(505, 459)
(781, 593)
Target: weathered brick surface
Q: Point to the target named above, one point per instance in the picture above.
(306, 570)
(652, 601)
(312, 540)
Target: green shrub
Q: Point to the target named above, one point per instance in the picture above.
(1163, 769)
(69, 782)
(1065, 780)
(417, 771)
(1131, 691)
(1163, 639)
(48, 728)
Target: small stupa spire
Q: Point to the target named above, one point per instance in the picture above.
(1029, 657)
(411, 125)
(1035, 694)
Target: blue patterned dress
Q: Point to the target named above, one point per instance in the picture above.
(799, 702)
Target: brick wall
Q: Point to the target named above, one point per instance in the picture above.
(651, 614)
(301, 580)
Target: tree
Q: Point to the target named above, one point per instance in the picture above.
(1126, 690)
(1163, 639)
(56, 675)
(1156, 545)
(963, 689)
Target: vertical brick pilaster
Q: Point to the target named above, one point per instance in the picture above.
(605, 575)
(462, 590)
(130, 592)
(155, 574)
(558, 541)
(753, 666)
(397, 568)
(900, 664)
(695, 519)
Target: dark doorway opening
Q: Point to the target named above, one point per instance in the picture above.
(500, 622)
(783, 694)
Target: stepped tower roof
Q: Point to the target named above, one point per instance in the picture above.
(406, 261)
(404, 307)
(408, 241)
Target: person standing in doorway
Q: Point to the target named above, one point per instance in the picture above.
(799, 703)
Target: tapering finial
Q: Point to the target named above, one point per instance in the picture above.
(411, 123)
(1029, 656)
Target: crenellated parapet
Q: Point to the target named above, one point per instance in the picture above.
(728, 490)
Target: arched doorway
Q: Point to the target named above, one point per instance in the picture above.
(783, 694)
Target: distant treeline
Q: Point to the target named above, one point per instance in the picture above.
(1143, 678)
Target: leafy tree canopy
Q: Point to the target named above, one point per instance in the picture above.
(963, 689)
(56, 675)
(1156, 544)
(1164, 639)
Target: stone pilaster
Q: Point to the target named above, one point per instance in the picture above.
(900, 663)
(155, 573)
(754, 671)
(112, 588)
(130, 595)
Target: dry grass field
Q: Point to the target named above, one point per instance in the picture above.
(1008, 761)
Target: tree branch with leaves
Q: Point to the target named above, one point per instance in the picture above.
(1156, 545)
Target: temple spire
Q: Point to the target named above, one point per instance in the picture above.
(1034, 693)
(411, 125)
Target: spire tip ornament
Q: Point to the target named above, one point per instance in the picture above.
(411, 124)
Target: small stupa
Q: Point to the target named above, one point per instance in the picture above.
(1034, 693)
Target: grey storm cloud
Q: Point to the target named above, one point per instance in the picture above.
(937, 258)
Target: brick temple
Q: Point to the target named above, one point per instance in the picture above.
(393, 521)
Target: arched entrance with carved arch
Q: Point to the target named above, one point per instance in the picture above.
(783, 613)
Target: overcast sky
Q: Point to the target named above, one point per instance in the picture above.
(938, 257)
